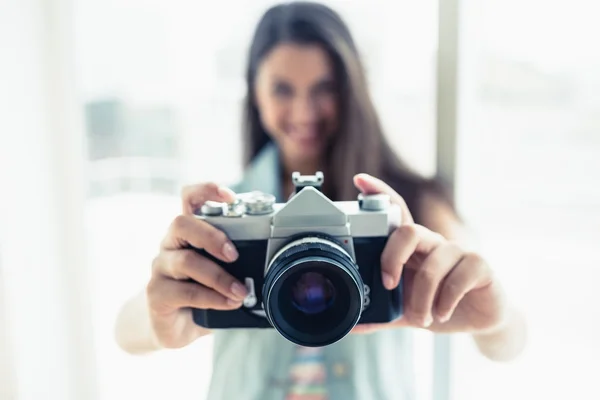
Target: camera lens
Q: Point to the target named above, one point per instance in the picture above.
(313, 293)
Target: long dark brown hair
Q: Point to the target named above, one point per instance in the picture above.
(360, 145)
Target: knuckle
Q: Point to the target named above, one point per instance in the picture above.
(453, 289)
(410, 230)
(216, 236)
(193, 295)
(210, 187)
(179, 223)
(185, 258)
(451, 292)
(150, 288)
(453, 246)
(157, 263)
(427, 275)
(474, 259)
(153, 292)
(182, 260)
(398, 233)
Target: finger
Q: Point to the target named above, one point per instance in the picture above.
(370, 328)
(166, 295)
(400, 245)
(363, 329)
(194, 196)
(426, 281)
(187, 231)
(468, 275)
(368, 184)
(405, 241)
(188, 264)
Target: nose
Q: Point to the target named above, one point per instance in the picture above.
(304, 110)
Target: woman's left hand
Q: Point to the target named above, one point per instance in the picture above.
(446, 289)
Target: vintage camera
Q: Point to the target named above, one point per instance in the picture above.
(311, 265)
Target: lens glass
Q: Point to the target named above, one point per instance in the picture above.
(313, 293)
(315, 302)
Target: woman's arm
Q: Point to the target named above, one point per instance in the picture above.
(133, 329)
(507, 340)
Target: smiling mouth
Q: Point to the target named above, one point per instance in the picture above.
(305, 134)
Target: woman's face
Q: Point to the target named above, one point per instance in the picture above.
(296, 98)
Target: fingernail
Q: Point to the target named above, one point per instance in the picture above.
(388, 280)
(238, 290)
(428, 321)
(230, 252)
(234, 303)
(443, 318)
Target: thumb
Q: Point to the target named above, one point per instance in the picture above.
(368, 184)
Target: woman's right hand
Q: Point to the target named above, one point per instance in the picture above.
(183, 279)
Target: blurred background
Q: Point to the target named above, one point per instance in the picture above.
(108, 107)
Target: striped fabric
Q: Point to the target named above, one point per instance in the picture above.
(308, 375)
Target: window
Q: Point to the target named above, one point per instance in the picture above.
(527, 183)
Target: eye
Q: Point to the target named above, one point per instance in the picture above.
(282, 90)
(324, 87)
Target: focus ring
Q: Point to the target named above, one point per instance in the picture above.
(294, 257)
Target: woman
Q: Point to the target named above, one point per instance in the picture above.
(308, 109)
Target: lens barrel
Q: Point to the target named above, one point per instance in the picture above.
(313, 292)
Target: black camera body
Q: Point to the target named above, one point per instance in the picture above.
(311, 266)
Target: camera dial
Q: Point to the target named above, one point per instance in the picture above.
(257, 203)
